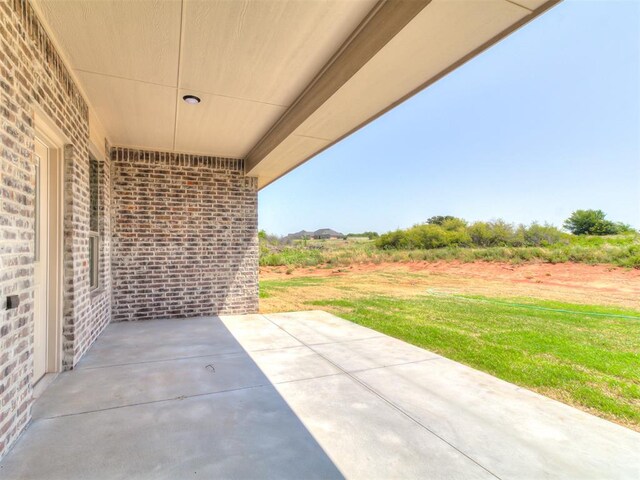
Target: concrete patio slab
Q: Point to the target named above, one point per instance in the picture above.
(372, 353)
(304, 395)
(368, 438)
(512, 431)
(87, 390)
(255, 332)
(152, 340)
(316, 327)
(247, 433)
(290, 364)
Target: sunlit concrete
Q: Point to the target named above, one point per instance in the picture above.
(299, 395)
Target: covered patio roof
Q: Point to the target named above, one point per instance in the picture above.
(279, 81)
(300, 395)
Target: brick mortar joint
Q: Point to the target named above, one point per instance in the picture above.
(159, 157)
(40, 39)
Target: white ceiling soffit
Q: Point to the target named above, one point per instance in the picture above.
(264, 51)
(442, 36)
(280, 80)
(246, 60)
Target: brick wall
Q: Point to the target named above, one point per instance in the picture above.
(99, 305)
(184, 236)
(32, 73)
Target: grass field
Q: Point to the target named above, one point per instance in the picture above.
(579, 353)
(620, 250)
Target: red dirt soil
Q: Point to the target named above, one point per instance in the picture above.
(595, 284)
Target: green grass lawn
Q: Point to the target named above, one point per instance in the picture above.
(586, 356)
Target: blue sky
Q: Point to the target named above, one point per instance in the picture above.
(544, 123)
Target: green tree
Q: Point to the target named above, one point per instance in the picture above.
(440, 219)
(590, 222)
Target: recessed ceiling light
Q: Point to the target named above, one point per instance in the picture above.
(191, 99)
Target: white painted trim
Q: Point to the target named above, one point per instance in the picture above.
(55, 140)
(47, 128)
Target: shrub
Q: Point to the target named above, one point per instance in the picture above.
(624, 228)
(428, 236)
(453, 223)
(452, 232)
(537, 235)
(395, 239)
(497, 233)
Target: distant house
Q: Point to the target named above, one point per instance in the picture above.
(301, 235)
(321, 234)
